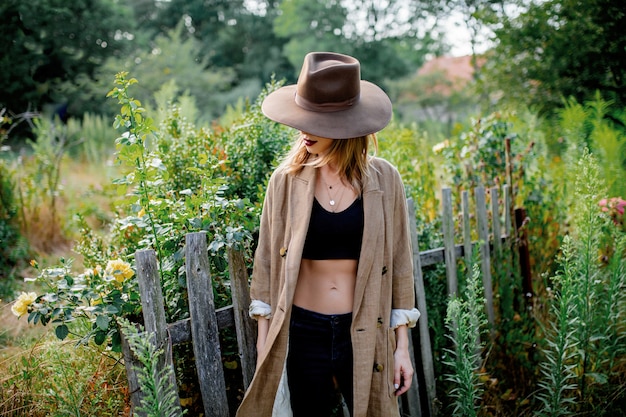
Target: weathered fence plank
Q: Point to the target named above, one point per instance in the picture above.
(506, 189)
(495, 221)
(448, 240)
(426, 353)
(180, 332)
(467, 231)
(245, 326)
(131, 363)
(485, 256)
(154, 311)
(204, 330)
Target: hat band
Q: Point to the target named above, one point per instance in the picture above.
(326, 107)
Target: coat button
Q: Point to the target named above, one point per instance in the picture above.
(378, 367)
(384, 270)
(380, 322)
(283, 252)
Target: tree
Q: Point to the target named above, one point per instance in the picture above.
(562, 48)
(387, 37)
(170, 65)
(231, 35)
(49, 42)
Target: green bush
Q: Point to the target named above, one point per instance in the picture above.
(13, 247)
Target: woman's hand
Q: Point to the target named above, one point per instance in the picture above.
(403, 366)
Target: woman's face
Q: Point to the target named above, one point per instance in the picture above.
(315, 144)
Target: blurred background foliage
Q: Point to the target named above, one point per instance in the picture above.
(61, 56)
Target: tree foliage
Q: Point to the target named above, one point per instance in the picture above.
(387, 37)
(48, 42)
(231, 35)
(562, 48)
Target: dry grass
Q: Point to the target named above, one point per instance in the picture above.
(84, 188)
(40, 375)
(43, 376)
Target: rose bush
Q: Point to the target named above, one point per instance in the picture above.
(99, 295)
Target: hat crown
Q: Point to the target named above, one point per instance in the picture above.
(328, 82)
(330, 100)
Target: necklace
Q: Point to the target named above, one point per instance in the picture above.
(331, 200)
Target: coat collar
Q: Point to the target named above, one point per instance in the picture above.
(302, 192)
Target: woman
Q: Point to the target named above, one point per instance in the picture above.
(332, 283)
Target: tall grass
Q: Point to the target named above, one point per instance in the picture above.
(45, 377)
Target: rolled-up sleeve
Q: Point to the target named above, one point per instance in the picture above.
(259, 308)
(400, 317)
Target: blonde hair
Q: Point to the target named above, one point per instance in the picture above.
(350, 157)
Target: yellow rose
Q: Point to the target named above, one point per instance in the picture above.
(119, 269)
(20, 307)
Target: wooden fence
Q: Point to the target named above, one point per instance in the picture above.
(205, 320)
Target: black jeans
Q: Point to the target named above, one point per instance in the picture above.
(320, 353)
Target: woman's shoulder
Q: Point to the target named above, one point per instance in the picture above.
(382, 166)
(279, 176)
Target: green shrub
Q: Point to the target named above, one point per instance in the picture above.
(13, 247)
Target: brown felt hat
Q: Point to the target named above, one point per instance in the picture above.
(330, 100)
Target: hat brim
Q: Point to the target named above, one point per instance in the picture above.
(371, 113)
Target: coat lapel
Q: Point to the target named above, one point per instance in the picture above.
(373, 229)
(300, 204)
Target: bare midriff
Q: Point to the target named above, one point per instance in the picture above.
(326, 286)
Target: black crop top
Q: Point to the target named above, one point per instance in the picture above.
(334, 235)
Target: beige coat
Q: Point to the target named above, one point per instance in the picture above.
(384, 281)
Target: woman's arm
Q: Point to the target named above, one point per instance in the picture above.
(263, 328)
(403, 367)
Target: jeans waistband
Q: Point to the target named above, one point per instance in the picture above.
(299, 313)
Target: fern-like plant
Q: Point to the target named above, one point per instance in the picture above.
(464, 320)
(583, 336)
(558, 376)
(160, 397)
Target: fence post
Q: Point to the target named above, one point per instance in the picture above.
(422, 323)
(154, 311)
(448, 240)
(483, 237)
(467, 232)
(204, 329)
(244, 325)
(495, 221)
(507, 210)
(131, 363)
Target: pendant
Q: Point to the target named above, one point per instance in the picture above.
(332, 202)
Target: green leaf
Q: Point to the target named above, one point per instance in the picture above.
(99, 337)
(62, 331)
(116, 342)
(111, 309)
(103, 322)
